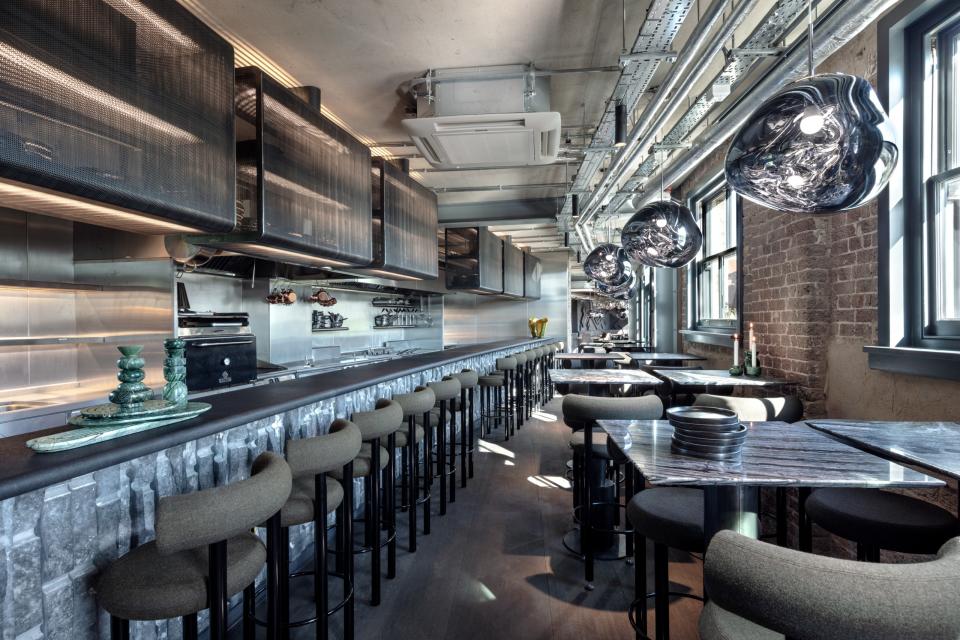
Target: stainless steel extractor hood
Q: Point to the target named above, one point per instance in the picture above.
(404, 225)
(512, 270)
(303, 183)
(474, 260)
(532, 272)
(95, 130)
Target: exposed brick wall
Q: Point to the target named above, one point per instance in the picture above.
(810, 286)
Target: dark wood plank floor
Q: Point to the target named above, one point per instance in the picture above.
(494, 566)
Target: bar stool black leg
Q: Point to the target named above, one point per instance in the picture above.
(346, 555)
(190, 628)
(374, 501)
(451, 458)
(441, 452)
(463, 438)
(640, 584)
(217, 589)
(249, 603)
(502, 395)
(806, 527)
(427, 473)
(390, 507)
(586, 541)
(518, 401)
(473, 433)
(284, 583)
(629, 493)
(320, 595)
(404, 477)
(661, 584)
(781, 516)
(411, 499)
(120, 628)
(273, 577)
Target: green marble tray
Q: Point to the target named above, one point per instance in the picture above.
(95, 431)
(116, 412)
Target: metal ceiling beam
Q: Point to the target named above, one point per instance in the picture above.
(502, 187)
(521, 211)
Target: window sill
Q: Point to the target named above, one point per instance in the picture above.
(930, 363)
(716, 337)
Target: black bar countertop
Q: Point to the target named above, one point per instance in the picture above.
(23, 470)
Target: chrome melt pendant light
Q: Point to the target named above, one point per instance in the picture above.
(822, 144)
(662, 234)
(608, 264)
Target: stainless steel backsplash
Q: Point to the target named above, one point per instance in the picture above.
(63, 280)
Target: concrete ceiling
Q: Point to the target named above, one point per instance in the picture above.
(360, 51)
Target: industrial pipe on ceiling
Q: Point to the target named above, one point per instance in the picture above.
(658, 112)
(833, 30)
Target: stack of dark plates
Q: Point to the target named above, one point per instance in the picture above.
(707, 432)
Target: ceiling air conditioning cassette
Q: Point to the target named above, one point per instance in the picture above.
(490, 140)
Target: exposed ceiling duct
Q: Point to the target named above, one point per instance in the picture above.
(833, 30)
(686, 72)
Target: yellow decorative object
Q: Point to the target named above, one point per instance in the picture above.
(537, 326)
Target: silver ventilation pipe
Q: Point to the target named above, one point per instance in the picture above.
(672, 94)
(833, 30)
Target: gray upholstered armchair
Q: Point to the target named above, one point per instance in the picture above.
(759, 591)
(781, 409)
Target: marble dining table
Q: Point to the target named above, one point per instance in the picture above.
(595, 377)
(931, 446)
(664, 357)
(775, 454)
(614, 355)
(686, 380)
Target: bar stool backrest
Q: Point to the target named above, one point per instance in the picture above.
(198, 519)
(521, 358)
(385, 419)
(579, 411)
(781, 409)
(322, 454)
(468, 378)
(446, 389)
(506, 364)
(416, 403)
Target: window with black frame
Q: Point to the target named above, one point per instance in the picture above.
(941, 166)
(919, 215)
(716, 269)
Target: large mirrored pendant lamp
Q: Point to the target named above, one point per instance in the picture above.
(662, 234)
(608, 264)
(822, 144)
(623, 291)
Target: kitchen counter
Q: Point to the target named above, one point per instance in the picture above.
(23, 470)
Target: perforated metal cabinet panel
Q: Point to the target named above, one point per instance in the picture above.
(532, 272)
(404, 224)
(512, 270)
(303, 183)
(119, 102)
(474, 260)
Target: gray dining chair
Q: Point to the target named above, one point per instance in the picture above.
(758, 591)
(778, 408)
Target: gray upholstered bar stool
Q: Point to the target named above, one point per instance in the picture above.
(520, 388)
(469, 379)
(876, 520)
(759, 591)
(500, 408)
(374, 463)
(671, 518)
(205, 551)
(592, 457)
(447, 390)
(416, 405)
(531, 397)
(313, 497)
(491, 412)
